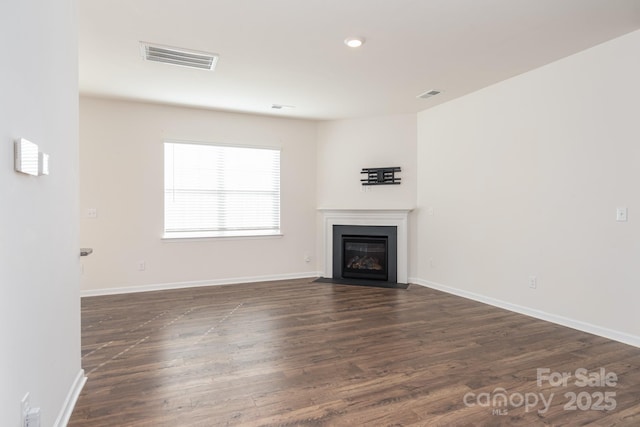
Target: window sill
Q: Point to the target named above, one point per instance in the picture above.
(225, 235)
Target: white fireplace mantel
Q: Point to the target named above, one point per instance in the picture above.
(373, 217)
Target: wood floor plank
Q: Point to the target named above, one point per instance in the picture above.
(297, 353)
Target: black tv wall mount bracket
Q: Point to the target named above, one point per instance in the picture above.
(381, 176)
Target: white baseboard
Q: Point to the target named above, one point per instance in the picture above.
(196, 284)
(538, 314)
(70, 400)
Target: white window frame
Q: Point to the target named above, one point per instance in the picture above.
(273, 229)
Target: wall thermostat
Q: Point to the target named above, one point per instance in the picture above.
(26, 157)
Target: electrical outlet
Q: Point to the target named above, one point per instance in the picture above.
(621, 214)
(142, 266)
(533, 282)
(307, 258)
(92, 213)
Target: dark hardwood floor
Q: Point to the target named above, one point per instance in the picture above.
(296, 353)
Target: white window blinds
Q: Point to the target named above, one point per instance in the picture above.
(216, 190)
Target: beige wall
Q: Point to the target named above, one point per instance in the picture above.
(39, 248)
(347, 146)
(524, 178)
(121, 159)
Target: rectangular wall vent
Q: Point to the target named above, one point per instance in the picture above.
(428, 94)
(178, 56)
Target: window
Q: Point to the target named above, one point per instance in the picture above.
(217, 190)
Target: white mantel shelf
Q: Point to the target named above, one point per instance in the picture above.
(372, 217)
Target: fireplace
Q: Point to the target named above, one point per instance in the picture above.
(364, 257)
(365, 252)
(396, 219)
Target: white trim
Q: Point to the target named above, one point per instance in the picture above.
(180, 223)
(174, 237)
(195, 284)
(70, 400)
(222, 144)
(538, 314)
(371, 217)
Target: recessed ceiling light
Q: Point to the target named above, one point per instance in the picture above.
(354, 41)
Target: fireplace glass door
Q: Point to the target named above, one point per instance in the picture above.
(364, 257)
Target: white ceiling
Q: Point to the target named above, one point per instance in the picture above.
(291, 52)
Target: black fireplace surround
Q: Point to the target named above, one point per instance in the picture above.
(365, 252)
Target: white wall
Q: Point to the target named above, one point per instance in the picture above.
(345, 147)
(525, 177)
(121, 157)
(39, 248)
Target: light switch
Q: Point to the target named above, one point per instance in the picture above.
(43, 163)
(621, 214)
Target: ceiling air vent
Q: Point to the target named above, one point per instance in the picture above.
(178, 56)
(428, 94)
(281, 106)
